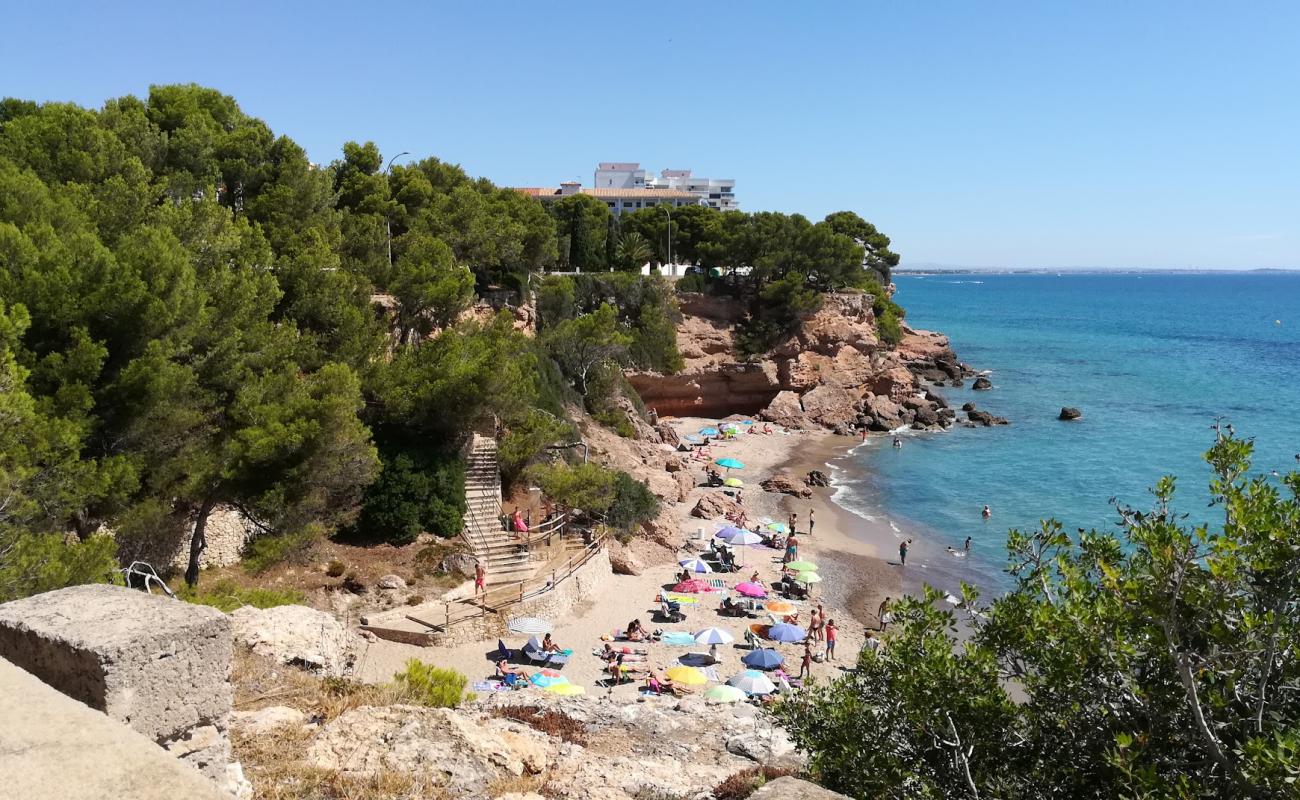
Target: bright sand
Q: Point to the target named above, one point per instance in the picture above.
(854, 578)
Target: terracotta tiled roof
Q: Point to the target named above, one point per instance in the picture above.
(613, 194)
(536, 191)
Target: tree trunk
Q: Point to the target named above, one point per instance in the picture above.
(198, 541)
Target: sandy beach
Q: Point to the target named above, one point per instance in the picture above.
(856, 578)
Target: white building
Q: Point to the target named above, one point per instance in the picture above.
(719, 192)
(619, 200)
(619, 175)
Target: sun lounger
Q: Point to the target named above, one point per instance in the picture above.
(718, 583)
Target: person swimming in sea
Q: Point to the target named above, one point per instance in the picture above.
(987, 512)
(898, 443)
(967, 546)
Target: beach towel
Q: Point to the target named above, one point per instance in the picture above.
(489, 686)
(711, 673)
(678, 639)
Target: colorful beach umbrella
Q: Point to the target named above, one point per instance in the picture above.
(543, 681)
(765, 658)
(714, 636)
(565, 689)
(730, 463)
(529, 626)
(802, 566)
(708, 431)
(778, 607)
(729, 531)
(752, 682)
(785, 632)
(735, 483)
(690, 676)
(695, 565)
(724, 694)
(692, 586)
(778, 527)
(751, 589)
(807, 578)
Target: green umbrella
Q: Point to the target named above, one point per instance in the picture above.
(802, 566)
(778, 527)
(724, 694)
(735, 483)
(807, 578)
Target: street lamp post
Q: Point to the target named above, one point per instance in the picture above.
(670, 236)
(388, 223)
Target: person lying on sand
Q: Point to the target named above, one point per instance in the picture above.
(504, 669)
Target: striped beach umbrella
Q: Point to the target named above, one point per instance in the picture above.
(714, 636)
(695, 565)
(529, 626)
(752, 682)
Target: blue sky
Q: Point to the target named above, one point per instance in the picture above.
(1114, 134)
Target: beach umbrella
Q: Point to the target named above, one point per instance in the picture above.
(752, 682)
(735, 483)
(708, 431)
(695, 565)
(730, 463)
(802, 566)
(691, 676)
(565, 689)
(739, 536)
(528, 625)
(692, 586)
(714, 636)
(542, 681)
(785, 632)
(692, 438)
(747, 422)
(778, 527)
(778, 607)
(727, 532)
(807, 578)
(766, 658)
(751, 589)
(724, 694)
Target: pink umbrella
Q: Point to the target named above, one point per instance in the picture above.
(692, 586)
(751, 590)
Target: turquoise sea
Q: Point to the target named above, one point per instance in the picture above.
(1150, 359)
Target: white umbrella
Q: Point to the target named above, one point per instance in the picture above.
(695, 565)
(529, 626)
(753, 682)
(741, 538)
(714, 636)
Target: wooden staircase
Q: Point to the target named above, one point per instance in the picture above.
(505, 560)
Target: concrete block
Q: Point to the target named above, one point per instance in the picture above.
(159, 665)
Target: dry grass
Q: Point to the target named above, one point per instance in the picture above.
(740, 785)
(260, 682)
(516, 784)
(552, 723)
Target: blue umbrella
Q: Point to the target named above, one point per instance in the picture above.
(785, 632)
(708, 431)
(730, 463)
(747, 422)
(692, 438)
(726, 533)
(767, 658)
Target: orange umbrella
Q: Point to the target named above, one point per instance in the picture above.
(778, 607)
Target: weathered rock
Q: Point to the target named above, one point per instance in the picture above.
(784, 483)
(925, 415)
(462, 564)
(1068, 413)
(791, 788)
(884, 414)
(968, 407)
(762, 745)
(623, 562)
(266, 720)
(674, 465)
(668, 434)
(957, 383)
(298, 636)
(985, 418)
(818, 478)
(714, 505)
(785, 410)
(390, 583)
(981, 384)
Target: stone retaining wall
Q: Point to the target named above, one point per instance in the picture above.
(159, 665)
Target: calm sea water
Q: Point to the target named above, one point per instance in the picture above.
(1150, 359)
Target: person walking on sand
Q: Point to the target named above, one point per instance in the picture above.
(480, 579)
(811, 521)
(902, 551)
(883, 614)
(805, 665)
(831, 634)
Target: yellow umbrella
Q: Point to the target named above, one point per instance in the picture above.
(778, 607)
(735, 483)
(687, 675)
(565, 688)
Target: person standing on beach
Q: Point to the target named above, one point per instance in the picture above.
(811, 521)
(831, 633)
(902, 551)
(791, 549)
(805, 666)
(794, 523)
(821, 623)
(883, 613)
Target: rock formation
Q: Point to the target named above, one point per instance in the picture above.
(833, 373)
(1068, 413)
(786, 484)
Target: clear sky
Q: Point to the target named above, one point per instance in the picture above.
(1055, 134)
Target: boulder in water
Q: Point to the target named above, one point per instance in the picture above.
(1069, 413)
(982, 384)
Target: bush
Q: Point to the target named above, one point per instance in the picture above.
(589, 487)
(633, 504)
(432, 686)
(419, 489)
(527, 438)
(227, 596)
(551, 723)
(692, 283)
(335, 568)
(740, 785)
(35, 563)
(889, 329)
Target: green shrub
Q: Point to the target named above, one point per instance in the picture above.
(419, 489)
(35, 563)
(889, 329)
(427, 685)
(227, 596)
(526, 438)
(633, 504)
(589, 487)
(692, 283)
(617, 421)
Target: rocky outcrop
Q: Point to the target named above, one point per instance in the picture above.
(1069, 413)
(981, 384)
(817, 478)
(298, 636)
(715, 505)
(623, 562)
(833, 373)
(985, 418)
(786, 484)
